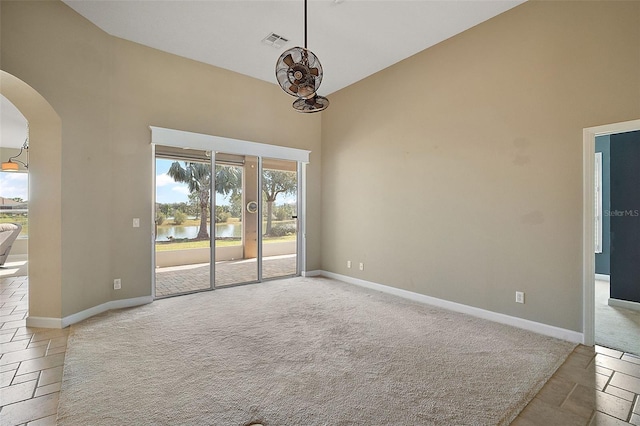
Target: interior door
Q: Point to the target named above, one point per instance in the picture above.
(625, 216)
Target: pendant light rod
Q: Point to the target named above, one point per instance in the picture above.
(305, 24)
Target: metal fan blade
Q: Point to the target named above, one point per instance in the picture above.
(288, 60)
(314, 71)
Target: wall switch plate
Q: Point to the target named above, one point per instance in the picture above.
(136, 222)
(361, 266)
(117, 284)
(349, 264)
(519, 297)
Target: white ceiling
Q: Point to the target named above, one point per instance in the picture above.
(13, 130)
(352, 38)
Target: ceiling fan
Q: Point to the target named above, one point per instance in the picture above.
(299, 74)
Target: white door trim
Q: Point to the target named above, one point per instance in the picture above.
(184, 139)
(588, 219)
(191, 140)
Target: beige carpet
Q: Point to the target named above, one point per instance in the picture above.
(616, 328)
(302, 351)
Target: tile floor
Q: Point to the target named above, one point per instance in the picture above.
(31, 361)
(180, 279)
(595, 386)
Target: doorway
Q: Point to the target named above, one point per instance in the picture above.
(591, 236)
(14, 190)
(247, 207)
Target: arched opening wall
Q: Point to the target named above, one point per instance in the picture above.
(45, 195)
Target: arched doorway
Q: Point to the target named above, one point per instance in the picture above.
(45, 200)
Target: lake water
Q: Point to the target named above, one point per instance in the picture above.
(222, 230)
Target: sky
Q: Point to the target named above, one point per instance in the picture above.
(168, 191)
(13, 184)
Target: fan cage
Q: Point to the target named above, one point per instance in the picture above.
(316, 103)
(299, 72)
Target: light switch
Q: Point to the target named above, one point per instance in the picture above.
(136, 222)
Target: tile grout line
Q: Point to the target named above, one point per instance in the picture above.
(636, 400)
(606, 385)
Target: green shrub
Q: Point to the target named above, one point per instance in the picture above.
(282, 230)
(222, 214)
(179, 217)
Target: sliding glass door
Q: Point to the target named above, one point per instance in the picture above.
(245, 206)
(256, 231)
(279, 218)
(236, 230)
(182, 223)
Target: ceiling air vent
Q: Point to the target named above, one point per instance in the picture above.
(274, 40)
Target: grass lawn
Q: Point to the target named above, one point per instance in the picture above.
(191, 244)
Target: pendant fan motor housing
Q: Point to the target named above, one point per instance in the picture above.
(299, 72)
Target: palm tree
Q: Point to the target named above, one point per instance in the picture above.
(197, 176)
(228, 179)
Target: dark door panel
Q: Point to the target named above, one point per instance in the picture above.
(625, 216)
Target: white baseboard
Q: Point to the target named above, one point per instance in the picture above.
(536, 327)
(113, 304)
(44, 322)
(619, 303)
(315, 273)
(602, 277)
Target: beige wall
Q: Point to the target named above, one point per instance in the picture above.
(108, 92)
(458, 172)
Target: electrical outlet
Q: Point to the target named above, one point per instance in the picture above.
(117, 284)
(361, 266)
(349, 264)
(136, 222)
(519, 297)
